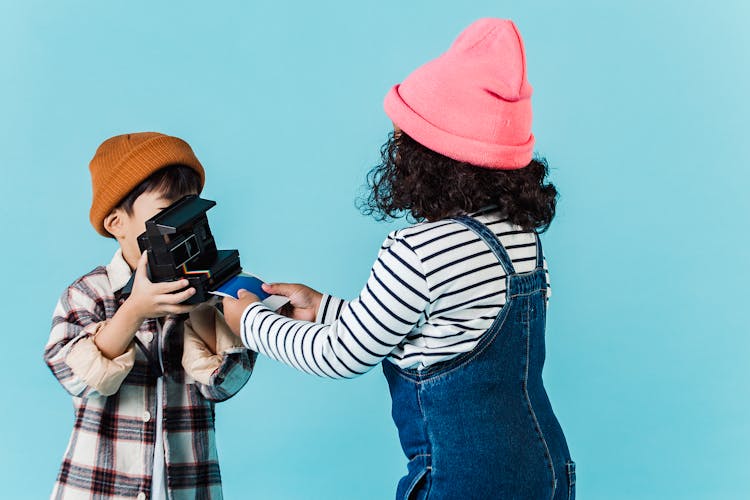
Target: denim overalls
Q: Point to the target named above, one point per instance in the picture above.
(480, 425)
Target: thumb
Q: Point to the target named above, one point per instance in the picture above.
(141, 268)
(283, 289)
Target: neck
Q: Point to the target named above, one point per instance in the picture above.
(132, 260)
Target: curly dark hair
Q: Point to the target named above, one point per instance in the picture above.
(421, 184)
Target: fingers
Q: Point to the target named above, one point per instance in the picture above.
(246, 297)
(286, 310)
(170, 286)
(175, 298)
(299, 295)
(283, 289)
(141, 268)
(179, 309)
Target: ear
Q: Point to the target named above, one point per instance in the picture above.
(115, 223)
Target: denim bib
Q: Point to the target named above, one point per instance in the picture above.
(480, 425)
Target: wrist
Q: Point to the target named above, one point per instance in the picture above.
(114, 338)
(329, 309)
(317, 299)
(245, 321)
(129, 313)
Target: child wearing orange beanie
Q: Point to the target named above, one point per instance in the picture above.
(144, 372)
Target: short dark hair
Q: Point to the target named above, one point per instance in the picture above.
(173, 182)
(415, 181)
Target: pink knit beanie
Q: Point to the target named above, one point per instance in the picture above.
(473, 103)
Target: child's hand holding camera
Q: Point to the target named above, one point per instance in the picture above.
(155, 300)
(147, 300)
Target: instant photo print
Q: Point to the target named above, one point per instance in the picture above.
(180, 245)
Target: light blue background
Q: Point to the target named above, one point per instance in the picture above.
(641, 108)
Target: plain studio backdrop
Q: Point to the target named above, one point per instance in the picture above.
(640, 107)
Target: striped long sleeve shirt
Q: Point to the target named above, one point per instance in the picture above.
(433, 291)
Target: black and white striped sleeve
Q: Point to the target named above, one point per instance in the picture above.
(351, 337)
(330, 309)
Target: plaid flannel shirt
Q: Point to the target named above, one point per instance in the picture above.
(111, 450)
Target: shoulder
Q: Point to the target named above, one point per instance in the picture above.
(422, 234)
(90, 288)
(417, 244)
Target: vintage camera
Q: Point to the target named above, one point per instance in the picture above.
(180, 245)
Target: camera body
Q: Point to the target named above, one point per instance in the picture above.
(180, 246)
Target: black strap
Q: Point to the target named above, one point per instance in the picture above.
(153, 363)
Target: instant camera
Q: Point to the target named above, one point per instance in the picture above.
(180, 245)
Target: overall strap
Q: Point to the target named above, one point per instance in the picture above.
(492, 241)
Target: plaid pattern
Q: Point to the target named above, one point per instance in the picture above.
(110, 453)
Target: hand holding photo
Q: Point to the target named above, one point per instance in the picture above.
(251, 283)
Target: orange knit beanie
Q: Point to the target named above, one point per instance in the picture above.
(124, 161)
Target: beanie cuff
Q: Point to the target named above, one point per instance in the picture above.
(480, 153)
(146, 159)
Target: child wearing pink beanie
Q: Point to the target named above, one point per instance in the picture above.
(455, 306)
